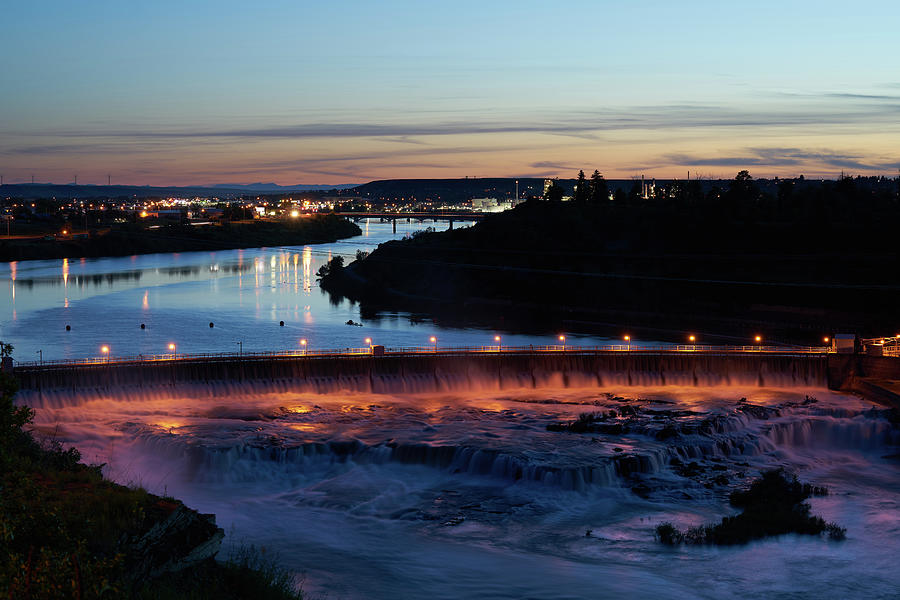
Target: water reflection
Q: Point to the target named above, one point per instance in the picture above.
(109, 298)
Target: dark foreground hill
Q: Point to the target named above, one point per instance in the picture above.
(801, 267)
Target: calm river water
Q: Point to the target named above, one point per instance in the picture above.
(245, 293)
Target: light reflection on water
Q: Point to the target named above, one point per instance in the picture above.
(244, 293)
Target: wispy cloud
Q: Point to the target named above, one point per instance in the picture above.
(784, 157)
(794, 111)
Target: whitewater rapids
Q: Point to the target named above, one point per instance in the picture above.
(486, 494)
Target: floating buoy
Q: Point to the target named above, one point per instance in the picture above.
(210, 325)
(281, 323)
(143, 326)
(68, 328)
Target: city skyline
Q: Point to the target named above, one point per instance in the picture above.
(291, 93)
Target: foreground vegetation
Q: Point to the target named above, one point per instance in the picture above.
(66, 532)
(773, 505)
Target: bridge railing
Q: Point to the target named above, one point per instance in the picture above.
(419, 350)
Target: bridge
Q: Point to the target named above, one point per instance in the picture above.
(443, 215)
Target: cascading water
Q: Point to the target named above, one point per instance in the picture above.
(521, 483)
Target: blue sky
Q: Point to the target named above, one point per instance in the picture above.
(203, 92)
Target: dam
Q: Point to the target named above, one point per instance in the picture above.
(429, 370)
(417, 370)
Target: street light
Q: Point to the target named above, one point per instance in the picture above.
(369, 342)
(628, 339)
(105, 350)
(41, 354)
(562, 338)
(172, 349)
(499, 345)
(303, 345)
(433, 340)
(240, 348)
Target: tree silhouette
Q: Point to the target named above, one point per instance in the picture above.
(599, 189)
(554, 191)
(581, 189)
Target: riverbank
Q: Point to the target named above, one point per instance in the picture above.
(561, 263)
(129, 239)
(69, 533)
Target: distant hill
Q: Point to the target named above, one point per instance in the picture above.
(457, 190)
(450, 190)
(274, 187)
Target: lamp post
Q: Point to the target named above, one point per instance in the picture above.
(628, 339)
(692, 339)
(499, 343)
(758, 340)
(369, 342)
(433, 341)
(172, 349)
(562, 338)
(303, 345)
(40, 353)
(240, 348)
(105, 350)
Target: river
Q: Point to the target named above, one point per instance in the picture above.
(246, 294)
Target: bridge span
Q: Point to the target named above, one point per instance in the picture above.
(393, 217)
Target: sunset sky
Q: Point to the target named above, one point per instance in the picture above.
(350, 91)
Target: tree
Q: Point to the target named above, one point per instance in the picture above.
(599, 189)
(554, 192)
(742, 191)
(332, 267)
(581, 189)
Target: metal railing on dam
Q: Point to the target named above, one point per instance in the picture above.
(427, 369)
(419, 350)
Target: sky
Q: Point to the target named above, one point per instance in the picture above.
(188, 93)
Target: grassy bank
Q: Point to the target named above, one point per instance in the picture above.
(128, 239)
(66, 532)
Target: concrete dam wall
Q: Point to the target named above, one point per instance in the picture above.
(420, 372)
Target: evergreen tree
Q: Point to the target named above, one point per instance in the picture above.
(599, 189)
(581, 189)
